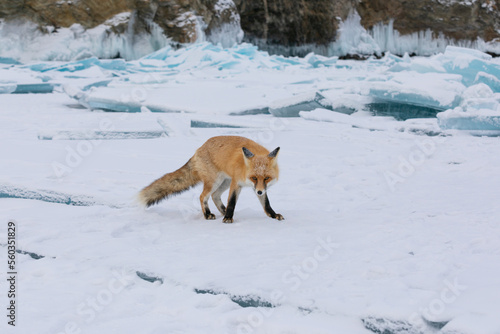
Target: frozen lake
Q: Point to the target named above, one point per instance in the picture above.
(391, 220)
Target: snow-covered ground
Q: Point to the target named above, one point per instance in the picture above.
(391, 226)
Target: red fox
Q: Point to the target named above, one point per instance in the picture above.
(222, 162)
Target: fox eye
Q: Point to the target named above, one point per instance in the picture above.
(267, 178)
(253, 178)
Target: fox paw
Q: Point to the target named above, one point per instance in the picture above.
(279, 217)
(210, 216)
(227, 220)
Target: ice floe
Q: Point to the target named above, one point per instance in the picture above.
(188, 80)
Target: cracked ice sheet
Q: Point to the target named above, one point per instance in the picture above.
(395, 247)
(11, 76)
(78, 277)
(364, 120)
(433, 90)
(203, 95)
(91, 125)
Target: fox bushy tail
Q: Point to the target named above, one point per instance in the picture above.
(169, 184)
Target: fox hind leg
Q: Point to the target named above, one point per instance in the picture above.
(217, 194)
(205, 195)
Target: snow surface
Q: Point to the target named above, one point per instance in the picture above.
(391, 227)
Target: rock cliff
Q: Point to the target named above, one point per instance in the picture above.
(274, 24)
(462, 19)
(181, 20)
(281, 26)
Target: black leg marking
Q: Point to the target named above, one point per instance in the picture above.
(267, 208)
(228, 218)
(207, 213)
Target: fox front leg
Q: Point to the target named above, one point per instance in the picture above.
(234, 192)
(264, 200)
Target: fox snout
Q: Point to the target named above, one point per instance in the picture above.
(259, 187)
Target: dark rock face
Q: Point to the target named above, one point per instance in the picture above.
(179, 19)
(288, 23)
(458, 20)
(280, 26)
(291, 25)
(88, 13)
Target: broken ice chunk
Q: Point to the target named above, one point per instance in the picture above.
(203, 124)
(458, 119)
(320, 61)
(101, 83)
(470, 72)
(384, 101)
(479, 96)
(66, 67)
(253, 111)
(109, 64)
(405, 95)
(291, 107)
(103, 126)
(38, 88)
(99, 135)
(7, 88)
(468, 63)
(479, 110)
(401, 111)
(344, 103)
(488, 79)
(427, 90)
(112, 104)
(9, 61)
(161, 54)
(456, 51)
(211, 98)
(115, 106)
(363, 120)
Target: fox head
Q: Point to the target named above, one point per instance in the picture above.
(262, 170)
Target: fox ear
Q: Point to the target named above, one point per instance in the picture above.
(247, 153)
(274, 153)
